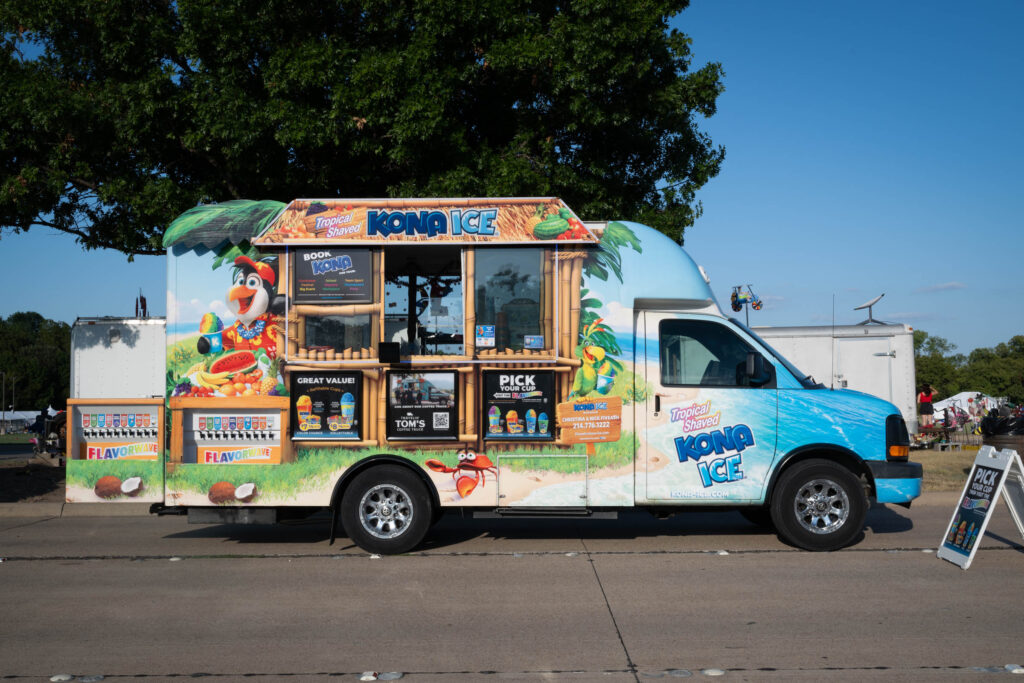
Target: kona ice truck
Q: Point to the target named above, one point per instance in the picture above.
(395, 359)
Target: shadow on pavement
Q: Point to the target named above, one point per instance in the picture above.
(885, 519)
(454, 529)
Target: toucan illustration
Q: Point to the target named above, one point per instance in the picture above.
(594, 367)
(251, 298)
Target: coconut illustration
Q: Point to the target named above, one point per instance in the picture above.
(108, 487)
(222, 492)
(132, 486)
(246, 493)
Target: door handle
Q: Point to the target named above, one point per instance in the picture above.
(657, 403)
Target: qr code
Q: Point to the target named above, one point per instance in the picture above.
(440, 420)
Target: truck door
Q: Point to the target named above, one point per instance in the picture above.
(708, 430)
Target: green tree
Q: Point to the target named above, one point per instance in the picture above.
(120, 115)
(936, 364)
(35, 356)
(998, 371)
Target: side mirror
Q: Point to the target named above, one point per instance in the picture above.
(759, 371)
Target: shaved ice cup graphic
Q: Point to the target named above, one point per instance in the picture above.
(216, 341)
(348, 411)
(304, 409)
(212, 329)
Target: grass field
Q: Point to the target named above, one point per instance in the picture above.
(15, 438)
(945, 470)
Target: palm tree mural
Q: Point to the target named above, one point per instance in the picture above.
(227, 230)
(597, 348)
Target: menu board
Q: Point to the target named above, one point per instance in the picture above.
(422, 405)
(519, 404)
(333, 275)
(326, 405)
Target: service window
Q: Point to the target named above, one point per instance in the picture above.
(339, 332)
(509, 292)
(701, 353)
(423, 299)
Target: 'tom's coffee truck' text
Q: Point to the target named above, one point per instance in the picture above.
(393, 359)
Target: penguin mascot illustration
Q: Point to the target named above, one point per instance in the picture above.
(251, 298)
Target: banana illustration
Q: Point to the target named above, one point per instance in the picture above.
(211, 381)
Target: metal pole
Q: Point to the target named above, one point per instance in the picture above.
(3, 405)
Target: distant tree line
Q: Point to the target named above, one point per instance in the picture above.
(997, 371)
(35, 357)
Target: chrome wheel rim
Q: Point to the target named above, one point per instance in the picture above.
(821, 506)
(385, 511)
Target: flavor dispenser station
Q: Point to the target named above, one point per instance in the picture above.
(114, 450)
(230, 431)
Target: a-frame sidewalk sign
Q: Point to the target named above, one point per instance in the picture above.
(994, 472)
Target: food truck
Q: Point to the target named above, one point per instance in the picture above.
(392, 359)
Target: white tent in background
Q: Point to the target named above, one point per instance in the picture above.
(964, 400)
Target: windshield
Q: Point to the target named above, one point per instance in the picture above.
(806, 380)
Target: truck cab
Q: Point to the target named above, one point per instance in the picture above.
(729, 421)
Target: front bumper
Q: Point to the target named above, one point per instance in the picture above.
(896, 482)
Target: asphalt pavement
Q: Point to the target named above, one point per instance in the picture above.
(701, 594)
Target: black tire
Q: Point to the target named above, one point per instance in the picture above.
(386, 510)
(819, 505)
(758, 516)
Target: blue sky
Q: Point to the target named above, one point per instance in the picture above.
(870, 147)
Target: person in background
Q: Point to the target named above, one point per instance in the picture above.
(925, 407)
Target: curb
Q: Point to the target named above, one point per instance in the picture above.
(58, 509)
(30, 509)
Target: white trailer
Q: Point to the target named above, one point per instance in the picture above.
(874, 359)
(118, 357)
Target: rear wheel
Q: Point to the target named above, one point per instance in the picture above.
(386, 510)
(819, 505)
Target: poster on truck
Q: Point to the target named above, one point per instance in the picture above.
(333, 275)
(326, 405)
(421, 405)
(519, 404)
(224, 324)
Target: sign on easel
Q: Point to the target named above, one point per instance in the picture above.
(993, 472)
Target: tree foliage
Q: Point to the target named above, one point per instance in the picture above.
(35, 356)
(120, 115)
(997, 371)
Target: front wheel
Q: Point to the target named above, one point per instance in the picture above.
(819, 505)
(386, 510)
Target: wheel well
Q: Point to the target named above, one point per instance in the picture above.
(374, 461)
(836, 454)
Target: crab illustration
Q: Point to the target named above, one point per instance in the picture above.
(474, 465)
